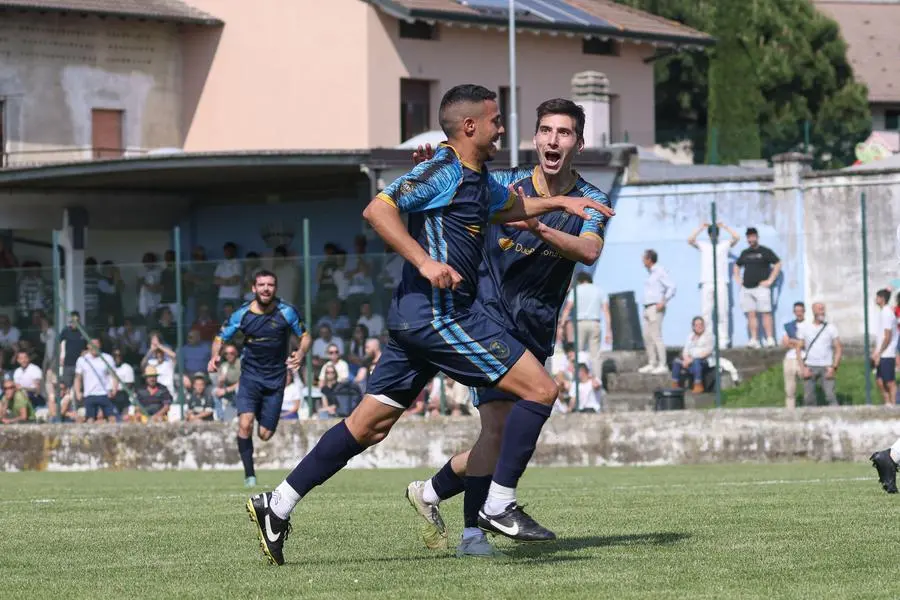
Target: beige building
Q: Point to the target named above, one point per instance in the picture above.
(83, 79)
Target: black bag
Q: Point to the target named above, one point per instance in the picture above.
(347, 395)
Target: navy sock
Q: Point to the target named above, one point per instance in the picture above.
(328, 457)
(447, 483)
(245, 449)
(520, 436)
(476, 493)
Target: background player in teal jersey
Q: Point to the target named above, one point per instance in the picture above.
(523, 282)
(268, 325)
(434, 320)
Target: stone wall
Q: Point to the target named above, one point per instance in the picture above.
(672, 438)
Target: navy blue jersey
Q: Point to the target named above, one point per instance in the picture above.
(266, 340)
(449, 204)
(523, 281)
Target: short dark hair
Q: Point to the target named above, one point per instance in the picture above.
(561, 106)
(884, 294)
(231, 245)
(652, 255)
(584, 277)
(713, 230)
(698, 318)
(468, 92)
(264, 273)
(800, 304)
(751, 231)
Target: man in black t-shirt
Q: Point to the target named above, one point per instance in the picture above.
(761, 268)
(71, 345)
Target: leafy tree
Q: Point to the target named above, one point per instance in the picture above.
(801, 69)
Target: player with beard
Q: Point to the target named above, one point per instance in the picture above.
(268, 325)
(522, 282)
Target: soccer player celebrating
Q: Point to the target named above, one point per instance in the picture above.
(522, 283)
(267, 324)
(435, 320)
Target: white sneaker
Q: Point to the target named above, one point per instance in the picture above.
(769, 343)
(660, 370)
(753, 344)
(647, 369)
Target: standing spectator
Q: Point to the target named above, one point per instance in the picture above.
(374, 322)
(95, 383)
(168, 280)
(884, 350)
(321, 344)
(205, 325)
(761, 269)
(153, 397)
(359, 279)
(340, 365)
(131, 340)
(287, 275)
(791, 365)
(8, 266)
(593, 312)
(228, 278)
(820, 357)
(326, 289)
(150, 288)
(48, 341)
(659, 289)
(110, 287)
(71, 346)
(14, 405)
(9, 337)
(709, 283)
(125, 374)
(32, 292)
(195, 353)
(200, 403)
(590, 392)
(696, 351)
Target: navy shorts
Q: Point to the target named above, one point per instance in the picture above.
(886, 369)
(260, 399)
(471, 349)
(93, 405)
(483, 395)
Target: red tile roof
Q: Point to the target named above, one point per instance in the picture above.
(161, 10)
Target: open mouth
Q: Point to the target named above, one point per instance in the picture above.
(552, 158)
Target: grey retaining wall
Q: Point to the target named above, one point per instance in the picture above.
(637, 438)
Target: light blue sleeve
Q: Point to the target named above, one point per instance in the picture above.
(293, 319)
(596, 223)
(233, 325)
(502, 198)
(431, 184)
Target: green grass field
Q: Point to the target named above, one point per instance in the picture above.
(735, 531)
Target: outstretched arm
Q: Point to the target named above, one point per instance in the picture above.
(524, 207)
(584, 249)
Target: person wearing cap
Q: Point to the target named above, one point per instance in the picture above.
(761, 268)
(200, 401)
(153, 397)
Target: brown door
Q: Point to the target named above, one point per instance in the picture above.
(106, 133)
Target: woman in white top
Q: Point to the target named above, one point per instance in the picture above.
(290, 403)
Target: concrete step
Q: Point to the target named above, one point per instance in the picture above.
(631, 402)
(639, 383)
(629, 361)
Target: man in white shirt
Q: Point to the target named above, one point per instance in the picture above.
(884, 352)
(696, 351)
(321, 344)
(373, 322)
(28, 378)
(95, 383)
(593, 311)
(659, 289)
(590, 392)
(820, 356)
(340, 365)
(708, 283)
(228, 277)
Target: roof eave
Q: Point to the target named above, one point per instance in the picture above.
(209, 21)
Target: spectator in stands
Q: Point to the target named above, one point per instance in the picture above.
(252, 264)
(709, 283)
(150, 288)
(228, 278)
(92, 293)
(590, 392)
(199, 282)
(457, 397)
(326, 287)
(28, 377)
(563, 384)
(328, 382)
(48, 342)
(162, 358)
(110, 288)
(287, 274)
(884, 349)
(697, 349)
(199, 401)
(358, 274)
(761, 268)
(321, 343)
(15, 407)
(168, 280)
(125, 373)
(166, 326)
(153, 397)
(205, 326)
(131, 340)
(69, 409)
(340, 365)
(791, 364)
(340, 274)
(33, 293)
(8, 272)
(71, 346)
(357, 354)
(228, 375)
(95, 383)
(372, 355)
(228, 309)
(388, 279)
(290, 402)
(195, 353)
(335, 320)
(659, 289)
(593, 312)
(374, 322)
(820, 357)
(9, 338)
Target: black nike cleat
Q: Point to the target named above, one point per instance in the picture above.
(515, 524)
(887, 470)
(271, 530)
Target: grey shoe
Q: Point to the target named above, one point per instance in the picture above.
(478, 547)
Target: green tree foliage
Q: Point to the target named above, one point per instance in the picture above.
(801, 71)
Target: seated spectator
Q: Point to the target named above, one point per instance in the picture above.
(69, 409)
(9, 337)
(328, 383)
(28, 378)
(125, 373)
(457, 397)
(200, 403)
(229, 375)
(563, 384)
(153, 398)
(320, 346)
(163, 358)
(195, 353)
(697, 348)
(340, 365)
(372, 354)
(205, 325)
(228, 308)
(131, 339)
(590, 392)
(290, 402)
(337, 322)
(357, 354)
(373, 322)
(15, 407)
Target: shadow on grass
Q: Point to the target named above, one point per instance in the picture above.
(595, 541)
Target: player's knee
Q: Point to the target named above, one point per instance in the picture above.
(368, 432)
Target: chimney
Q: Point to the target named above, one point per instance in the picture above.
(590, 89)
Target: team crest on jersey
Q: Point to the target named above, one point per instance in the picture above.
(407, 187)
(506, 243)
(499, 349)
(273, 324)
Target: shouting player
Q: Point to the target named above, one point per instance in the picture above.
(435, 321)
(268, 325)
(523, 283)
